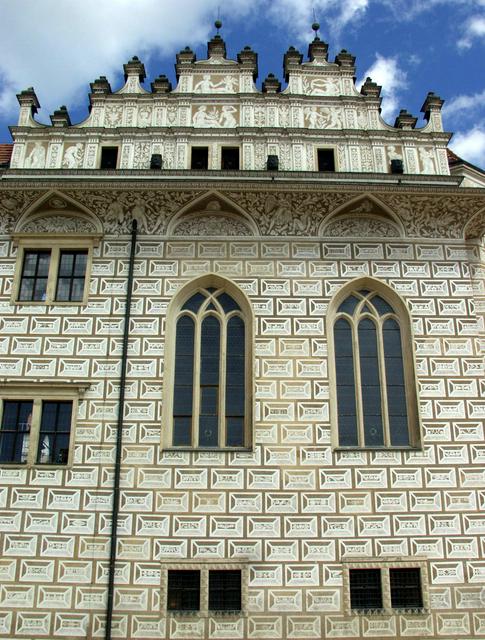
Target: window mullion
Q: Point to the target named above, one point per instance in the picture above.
(354, 323)
(52, 275)
(382, 374)
(222, 382)
(34, 431)
(196, 388)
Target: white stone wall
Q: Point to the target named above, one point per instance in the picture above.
(292, 511)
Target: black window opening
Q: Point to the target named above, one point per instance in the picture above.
(183, 591)
(71, 276)
(200, 158)
(230, 158)
(109, 157)
(55, 432)
(225, 590)
(35, 272)
(15, 430)
(365, 589)
(326, 160)
(406, 588)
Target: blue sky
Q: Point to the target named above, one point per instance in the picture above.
(409, 46)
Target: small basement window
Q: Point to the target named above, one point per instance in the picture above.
(109, 157)
(200, 158)
(326, 160)
(230, 158)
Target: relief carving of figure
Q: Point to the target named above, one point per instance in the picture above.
(73, 156)
(427, 160)
(227, 85)
(323, 118)
(280, 220)
(227, 119)
(139, 213)
(36, 158)
(204, 118)
(324, 87)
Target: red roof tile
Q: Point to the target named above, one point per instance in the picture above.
(5, 153)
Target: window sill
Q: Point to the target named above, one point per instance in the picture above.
(397, 448)
(49, 303)
(209, 449)
(421, 611)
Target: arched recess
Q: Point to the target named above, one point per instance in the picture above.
(475, 228)
(208, 377)
(364, 216)
(55, 212)
(374, 402)
(212, 214)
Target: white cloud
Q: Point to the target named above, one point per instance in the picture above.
(60, 47)
(385, 72)
(474, 29)
(460, 104)
(470, 145)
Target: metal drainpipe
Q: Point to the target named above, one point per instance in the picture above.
(119, 438)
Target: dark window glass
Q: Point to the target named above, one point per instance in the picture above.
(230, 158)
(109, 157)
(35, 270)
(396, 388)
(200, 158)
(210, 350)
(15, 430)
(71, 275)
(225, 590)
(228, 303)
(406, 588)
(348, 305)
(183, 590)
(55, 431)
(235, 382)
(326, 160)
(183, 382)
(365, 589)
(346, 403)
(194, 303)
(370, 384)
(381, 305)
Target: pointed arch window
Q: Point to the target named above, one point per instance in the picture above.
(376, 403)
(210, 402)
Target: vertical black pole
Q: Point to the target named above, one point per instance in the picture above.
(119, 438)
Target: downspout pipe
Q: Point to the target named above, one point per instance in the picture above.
(119, 438)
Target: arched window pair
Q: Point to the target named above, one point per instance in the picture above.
(211, 398)
(209, 372)
(376, 402)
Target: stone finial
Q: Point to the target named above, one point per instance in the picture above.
(405, 120)
(134, 67)
(432, 103)
(271, 84)
(292, 58)
(161, 85)
(100, 86)
(248, 59)
(60, 117)
(186, 56)
(28, 99)
(370, 89)
(345, 59)
(317, 50)
(216, 47)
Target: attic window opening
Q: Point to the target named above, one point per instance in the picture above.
(230, 158)
(109, 157)
(326, 159)
(200, 158)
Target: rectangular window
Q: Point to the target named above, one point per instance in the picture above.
(365, 588)
(326, 160)
(230, 158)
(15, 430)
(183, 591)
(71, 276)
(109, 157)
(36, 431)
(35, 274)
(200, 158)
(58, 273)
(225, 590)
(55, 433)
(406, 588)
